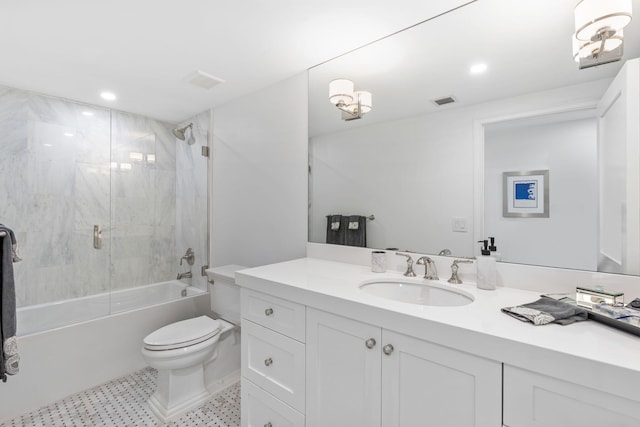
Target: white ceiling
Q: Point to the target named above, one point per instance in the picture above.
(143, 50)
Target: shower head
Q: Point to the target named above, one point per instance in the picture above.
(180, 133)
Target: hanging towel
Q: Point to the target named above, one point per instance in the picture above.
(9, 358)
(335, 231)
(15, 253)
(547, 310)
(356, 226)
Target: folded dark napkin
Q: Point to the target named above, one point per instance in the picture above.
(547, 310)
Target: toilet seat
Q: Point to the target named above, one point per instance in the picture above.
(182, 334)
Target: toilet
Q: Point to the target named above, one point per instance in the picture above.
(180, 350)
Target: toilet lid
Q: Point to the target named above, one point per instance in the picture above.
(182, 334)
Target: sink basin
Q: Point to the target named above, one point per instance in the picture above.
(417, 292)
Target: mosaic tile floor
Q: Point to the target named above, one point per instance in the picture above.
(123, 402)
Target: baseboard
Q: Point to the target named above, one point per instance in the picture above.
(219, 385)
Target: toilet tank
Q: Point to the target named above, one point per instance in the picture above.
(224, 293)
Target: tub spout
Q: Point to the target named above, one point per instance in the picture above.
(186, 275)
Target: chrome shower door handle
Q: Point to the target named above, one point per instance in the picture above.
(97, 237)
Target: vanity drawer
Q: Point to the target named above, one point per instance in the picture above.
(282, 316)
(260, 409)
(535, 400)
(275, 363)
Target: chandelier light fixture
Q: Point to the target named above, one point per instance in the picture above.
(598, 37)
(352, 104)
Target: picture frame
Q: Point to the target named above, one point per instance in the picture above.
(525, 194)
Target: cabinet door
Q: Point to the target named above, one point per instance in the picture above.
(424, 384)
(343, 372)
(535, 400)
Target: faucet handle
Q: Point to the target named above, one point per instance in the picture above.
(409, 272)
(454, 270)
(189, 256)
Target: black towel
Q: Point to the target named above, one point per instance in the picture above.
(352, 230)
(7, 299)
(356, 231)
(336, 236)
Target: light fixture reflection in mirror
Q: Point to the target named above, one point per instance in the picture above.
(352, 103)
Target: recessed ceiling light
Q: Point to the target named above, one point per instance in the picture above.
(108, 96)
(478, 68)
(87, 113)
(69, 134)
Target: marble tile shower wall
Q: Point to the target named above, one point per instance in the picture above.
(192, 197)
(143, 201)
(66, 166)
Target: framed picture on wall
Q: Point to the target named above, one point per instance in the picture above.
(525, 194)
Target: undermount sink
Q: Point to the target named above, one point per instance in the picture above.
(417, 292)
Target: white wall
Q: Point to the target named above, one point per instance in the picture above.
(259, 177)
(568, 150)
(415, 174)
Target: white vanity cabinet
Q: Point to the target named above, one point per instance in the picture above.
(354, 361)
(273, 361)
(535, 400)
(362, 375)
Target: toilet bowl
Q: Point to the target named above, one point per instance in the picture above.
(180, 350)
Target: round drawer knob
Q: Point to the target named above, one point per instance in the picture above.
(268, 362)
(268, 312)
(370, 343)
(387, 349)
(268, 425)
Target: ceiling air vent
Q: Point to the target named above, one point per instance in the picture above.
(204, 80)
(444, 101)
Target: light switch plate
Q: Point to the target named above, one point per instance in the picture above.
(459, 225)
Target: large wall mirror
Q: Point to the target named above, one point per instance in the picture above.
(433, 176)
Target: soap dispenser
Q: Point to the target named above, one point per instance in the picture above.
(494, 249)
(485, 268)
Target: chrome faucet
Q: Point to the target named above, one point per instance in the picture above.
(454, 270)
(409, 272)
(186, 275)
(429, 273)
(190, 257)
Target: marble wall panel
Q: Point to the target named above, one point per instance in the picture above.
(65, 166)
(191, 196)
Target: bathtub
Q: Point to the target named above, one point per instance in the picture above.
(64, 351)
(42, 317)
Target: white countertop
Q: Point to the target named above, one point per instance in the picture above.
(587, 353)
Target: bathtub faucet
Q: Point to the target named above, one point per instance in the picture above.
(186, 275)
